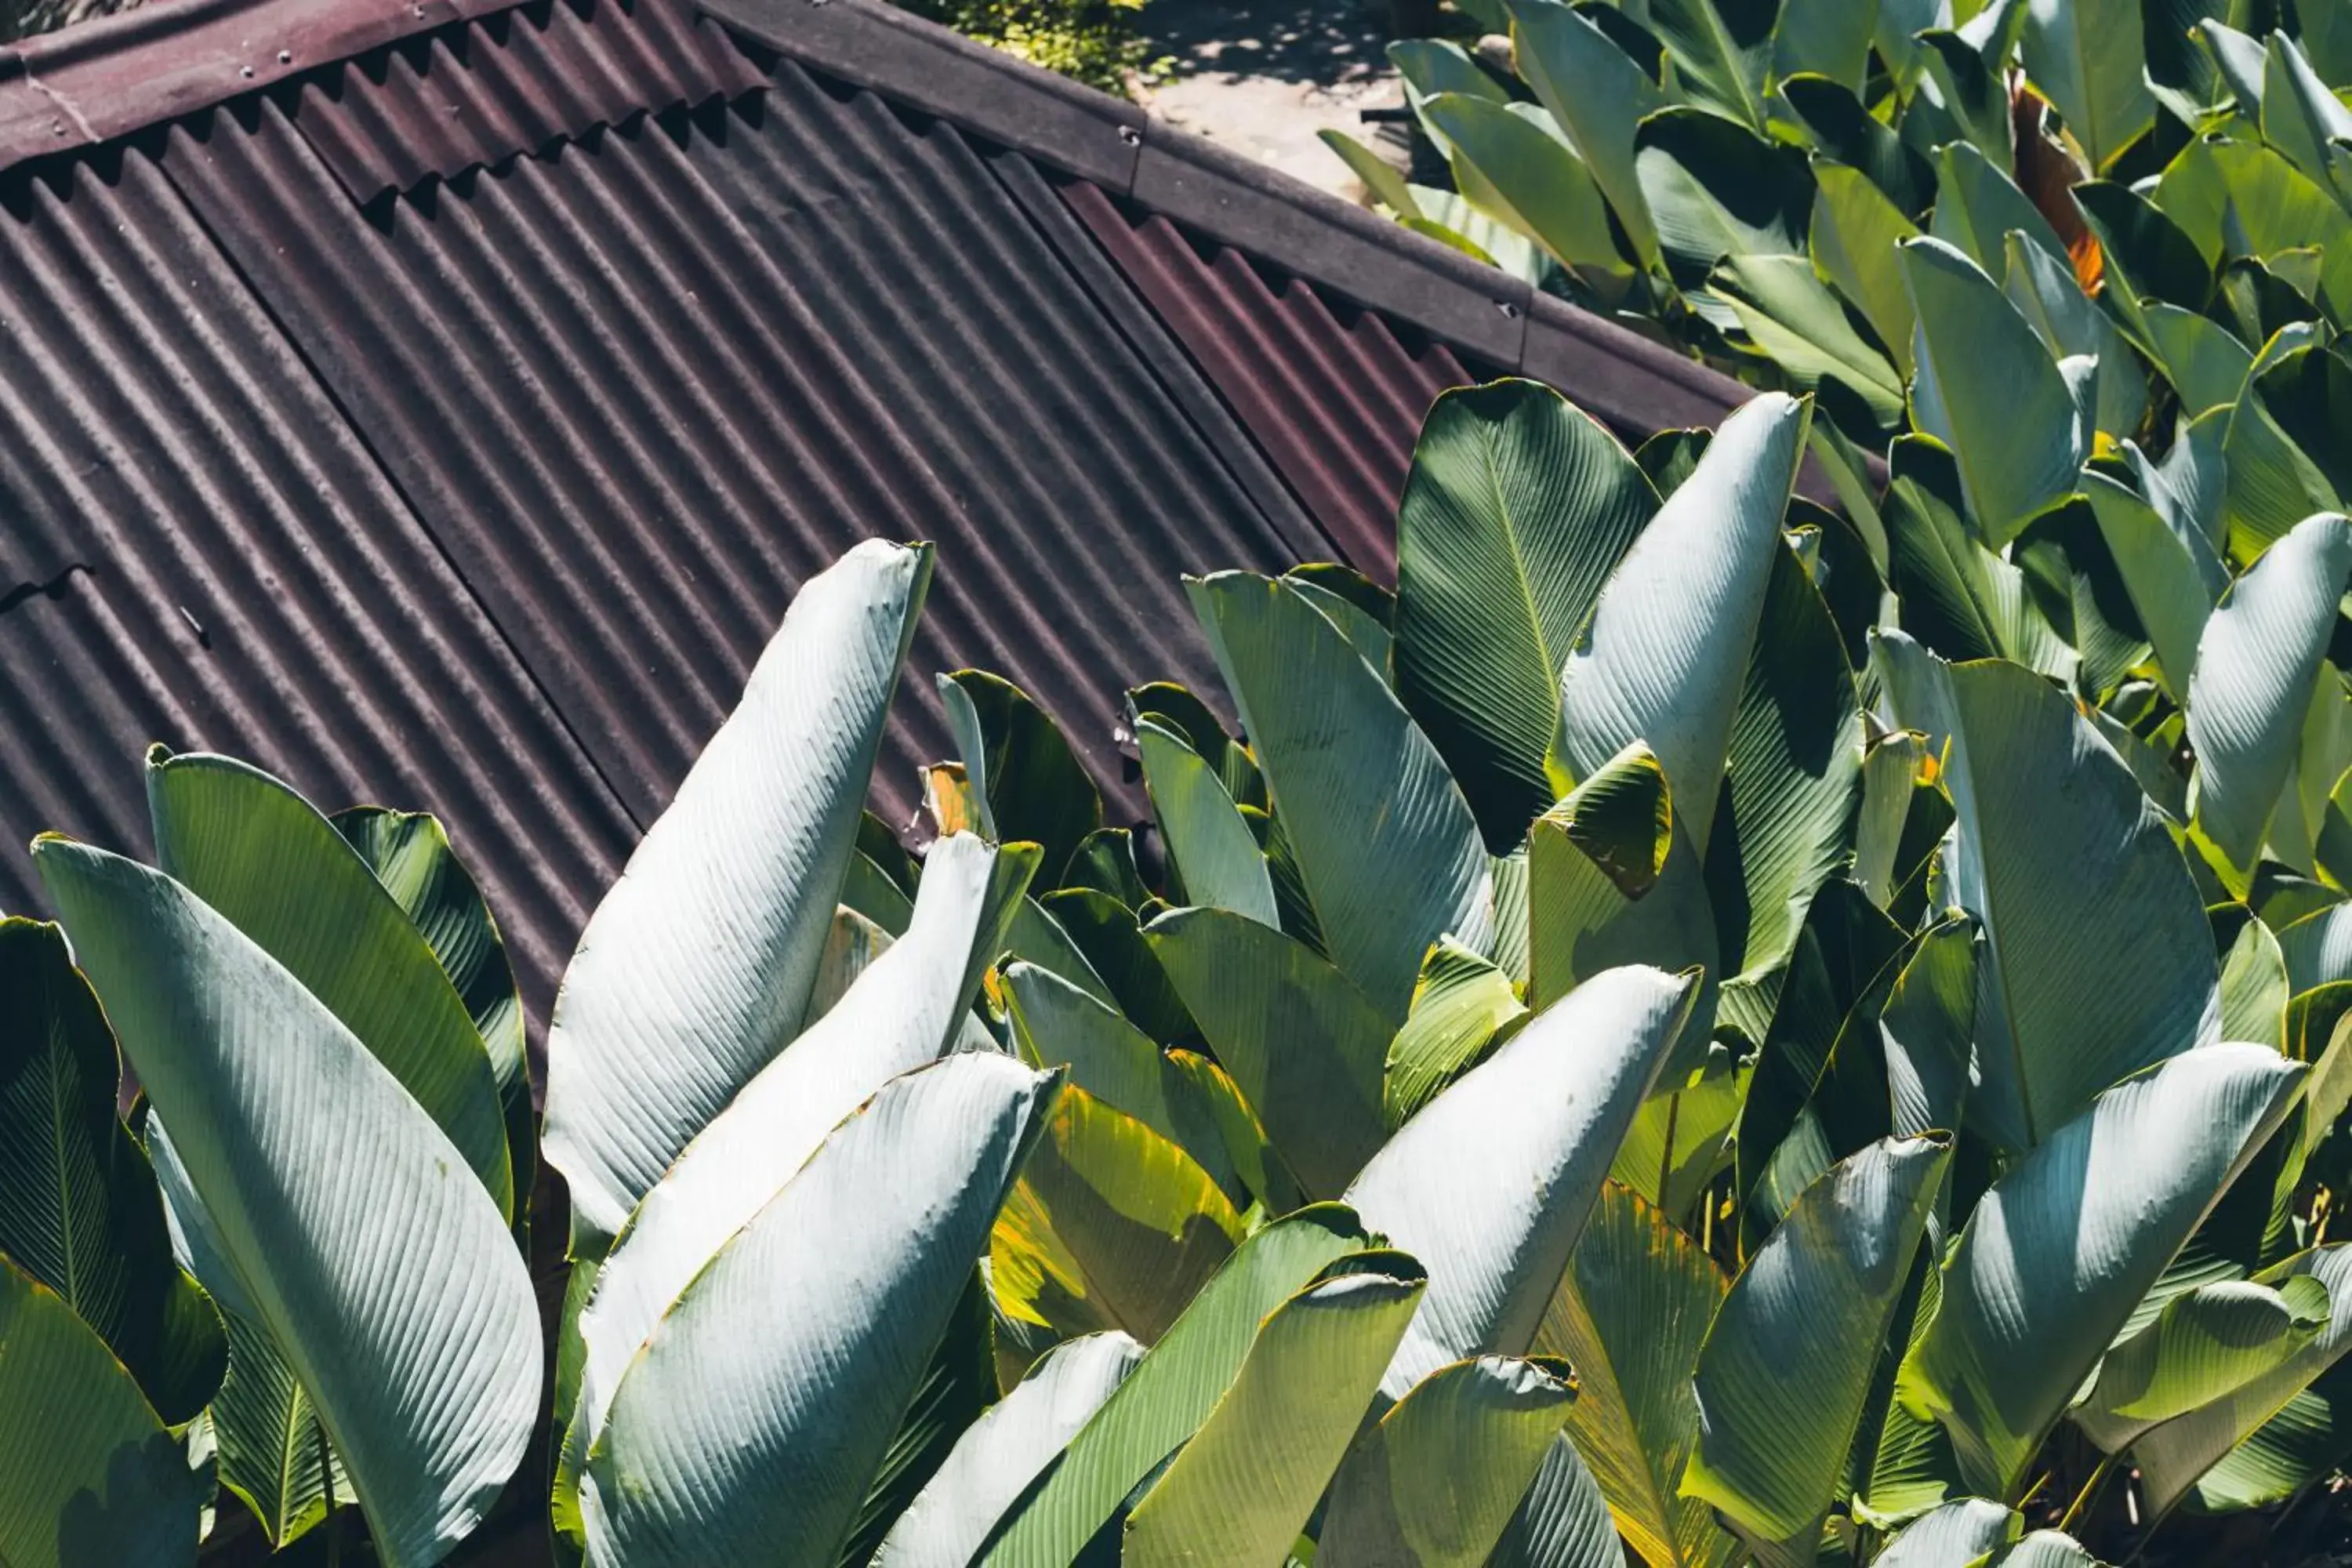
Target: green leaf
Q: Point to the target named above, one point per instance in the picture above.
(2205, 1345)
(2086, 56)
(1597, 95)
(410, 854)
(2053, 833)
(656, 1026)
(1382, 180)
(79, 1208)
(1612, 879)
(1110, 936)
(1924, 1024)
(274, 869)
(2275, 482)
(1530, 175)
(1518, 508)
(1112, 1227)
(1629, 1316)
(751, 1426)
(271, 1451)
(1794, 320)
(1845, 135)
(958, 1385)
(2206, 365)
(1714, 189)
(1722, 51)
(1988, 390)
(1959, 599)
(905, 1010)
(2042, 1549)
(2247, 1440)
(1388, 848)
(2256, 663)
(1891, 768)
(1209, 847)
(2043, 289)
(1787, 1364)
(1563, 1522)
(1006, 1449)
(1242, 1489)
(1490, 1185)
(1826, 38)
(1165, 1400)
(87, 1472)
(1794, 767)
(1436, 1481)
(1961, 1532)
(2063, 1248)
(1462, 1005)
(2303, 118)
(2254, 988)
(2171, 573)
(1855, 230)
(1663, 657)
(1303, 1045)
(1969, 71)
(376, 1263)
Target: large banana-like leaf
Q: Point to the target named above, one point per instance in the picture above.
(1978, 206)
(2232, 1436)
(2204, 1345)
(2319, 948)
(1242, 1489)
(1598, 96)
(1112, 1227)
(2044, 289)
(1025, 783)
(2172, 574)
(657, 1025)
(904, 1011)
(280, 872)
(1925, 1026)
(1790, 315)
(2254, 989)
(2256, 663)
(2064, 1248)
(1854, 236)
(2054, 835)
(1961, 599)
(1461, 1006)
(1959, 1532)
(1437, 1479)
(381, 1270)
(1518, 508)
(1629, 1316)
(749, 1428)
(1490, 1185)
(1987, 389)
(1664, 655)
(1787, 1364)
(268, 1445)
(1214, 855)
(2088, 57)
(1386, 845)
(1612, 879)
(1716, 189)
(411, 855)
(79, 1208)
(1530, 175)
(87, 1475)
(1006, 1449)
(1175, 1389)
(1722, 52)
(1298, 1039)
(1563, 1522)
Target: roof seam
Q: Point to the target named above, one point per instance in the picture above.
(366, 444)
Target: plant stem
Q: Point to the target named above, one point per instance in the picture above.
(1666, 1160)
(2090, 1491)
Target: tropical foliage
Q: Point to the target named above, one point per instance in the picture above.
(1680, 1035)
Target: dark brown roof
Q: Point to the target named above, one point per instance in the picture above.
(440, 404)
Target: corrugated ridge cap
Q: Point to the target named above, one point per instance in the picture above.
(107, 77)
(1233, 198)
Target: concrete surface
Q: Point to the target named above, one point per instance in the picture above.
(1264, 76)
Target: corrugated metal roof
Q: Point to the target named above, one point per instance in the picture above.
(244, 577)
(469, 469)
(520, 81)
(1335, 395)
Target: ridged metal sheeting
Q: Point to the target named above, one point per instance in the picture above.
(512, 83)
(1333, 394)
(641, 387)
(245, 578)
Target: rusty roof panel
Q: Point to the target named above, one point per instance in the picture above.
(1334, 394)
(513, 83)
(644, 386)
(245, 578)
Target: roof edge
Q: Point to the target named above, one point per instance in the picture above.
(1626, 378)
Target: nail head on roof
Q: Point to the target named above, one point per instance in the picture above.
(286, 57)
(1509, 311)
(244, 70)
